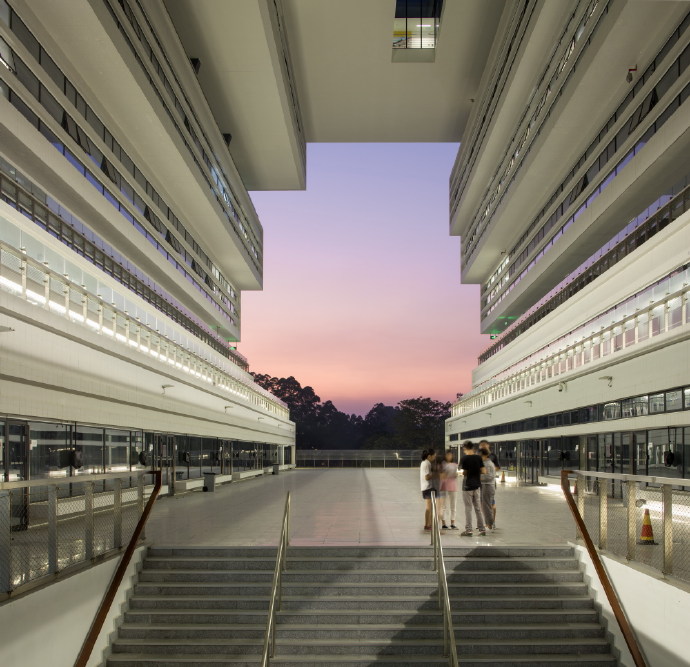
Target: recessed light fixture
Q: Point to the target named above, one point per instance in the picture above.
(424, 25)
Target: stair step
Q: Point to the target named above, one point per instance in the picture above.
(208, 660)
(543, 660)
(189, 646)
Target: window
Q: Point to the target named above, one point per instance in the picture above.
(674, 400)
(612, 410)
(656, 404)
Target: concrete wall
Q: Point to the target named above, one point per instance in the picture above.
(657, 610)
(48, 626)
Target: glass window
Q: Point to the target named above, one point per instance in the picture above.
(612, 410)
(51, 450)
(674, 400)
(657, 320)
(88, 450)
(642, 327)
(686, 391)
(657, 403)
(116, 450)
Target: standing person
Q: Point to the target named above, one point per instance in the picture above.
(425, 477)
(488, 480)
(494, 460)
(492, 456)
(449, 490)
(472, 468)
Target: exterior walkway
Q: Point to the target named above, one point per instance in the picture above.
(347, 507)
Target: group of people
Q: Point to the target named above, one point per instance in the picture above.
(439, 483)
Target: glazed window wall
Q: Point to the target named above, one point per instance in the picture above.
(670, 400)
(136, 211)
(675, 72)
(549, 79)
(639, 230)
(41, 450)
(651, 99)
(554, 80)
(213, 174)
(43, 278)
(656, 310)
(31, 201)
(48, 64)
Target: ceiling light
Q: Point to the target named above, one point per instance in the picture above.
(424, 25)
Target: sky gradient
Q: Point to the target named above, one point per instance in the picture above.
(362, 297)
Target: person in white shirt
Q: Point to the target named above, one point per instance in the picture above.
(425, 477)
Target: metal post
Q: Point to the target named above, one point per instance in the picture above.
(581, 482)
(603, 512)
(117, 513)
(631, 496)
(5, 541)
(52, 529)
(667, 527)
(88, 520)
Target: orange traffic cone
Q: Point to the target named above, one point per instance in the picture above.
(647, 534)
(503, 477)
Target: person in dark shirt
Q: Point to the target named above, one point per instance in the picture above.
(472, 469)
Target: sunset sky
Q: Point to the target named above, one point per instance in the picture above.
(362, 297)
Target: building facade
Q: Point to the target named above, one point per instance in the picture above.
(126, 239)
(571, 195)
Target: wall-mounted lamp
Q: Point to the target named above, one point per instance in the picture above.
(228, 407)
(528, 404)
(562, 386)
(4, 329)
(607, 378)
(166, 386)
(488, 414)
(260, 418)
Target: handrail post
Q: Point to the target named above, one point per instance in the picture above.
(52, 529)
(88, 521)
(667, 527)
(631, 496)
(603, 512)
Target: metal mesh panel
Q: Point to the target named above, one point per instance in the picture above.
(48, 527)
(645, 519)
(681, 534)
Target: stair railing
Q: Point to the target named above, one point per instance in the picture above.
(276, 589)
(621, 618)
(449, 646)
(104, 608)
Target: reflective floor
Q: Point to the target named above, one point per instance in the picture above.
(346, 506)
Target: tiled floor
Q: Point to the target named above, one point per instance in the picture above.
(343, 507)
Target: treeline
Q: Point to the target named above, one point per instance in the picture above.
(415, 423)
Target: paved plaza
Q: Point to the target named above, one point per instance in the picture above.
(346, 507)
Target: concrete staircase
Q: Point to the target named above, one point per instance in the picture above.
(361, 606)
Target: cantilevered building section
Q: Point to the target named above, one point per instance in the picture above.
(570, 193)
(127, 238)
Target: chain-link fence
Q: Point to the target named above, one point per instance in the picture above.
(47, 526)
(643, 519)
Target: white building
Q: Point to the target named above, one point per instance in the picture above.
(127, 237)
(570, 193)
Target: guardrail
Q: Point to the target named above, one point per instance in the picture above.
(51, 525)
(449, 646)
(578, 513)
(642, 518)
(276, 592)
(110, 593)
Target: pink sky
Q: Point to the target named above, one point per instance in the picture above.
(362, 297)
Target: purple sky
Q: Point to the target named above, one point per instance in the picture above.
(362, 297)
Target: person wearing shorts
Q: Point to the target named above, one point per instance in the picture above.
(426, 474)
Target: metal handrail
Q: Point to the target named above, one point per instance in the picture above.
(621, 618)
(75, 479)
(449, 647)
(104, 608)
(276, 592)
(625, 477)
